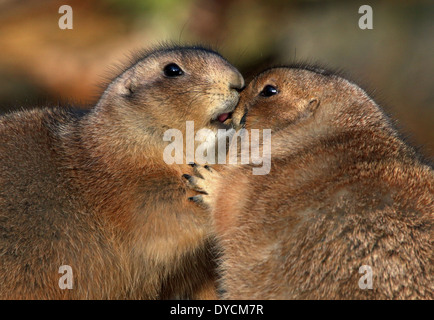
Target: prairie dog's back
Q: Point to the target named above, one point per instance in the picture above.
(302, 234)
(39, 209)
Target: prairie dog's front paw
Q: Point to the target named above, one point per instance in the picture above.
(204, 181)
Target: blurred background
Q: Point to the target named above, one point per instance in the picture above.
(40, 64)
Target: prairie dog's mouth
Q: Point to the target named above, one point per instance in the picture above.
(239, 118)
(223, 118)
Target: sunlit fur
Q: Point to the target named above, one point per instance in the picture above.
(344, 191)
(92, 191)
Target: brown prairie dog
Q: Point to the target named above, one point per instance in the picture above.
(92, 191)
(344, 194)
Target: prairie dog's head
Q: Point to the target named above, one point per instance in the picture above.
(280, 97)
(172, 85)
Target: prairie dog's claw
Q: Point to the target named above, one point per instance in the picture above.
(203, 181)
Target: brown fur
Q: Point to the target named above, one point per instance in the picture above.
(92, 191)
(344, 191)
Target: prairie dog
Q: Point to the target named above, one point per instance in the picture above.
(345, 195)
(92, 191)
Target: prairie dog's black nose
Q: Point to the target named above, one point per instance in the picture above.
(236, 81)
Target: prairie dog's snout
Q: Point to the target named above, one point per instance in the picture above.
(232, 83)
(236, 81)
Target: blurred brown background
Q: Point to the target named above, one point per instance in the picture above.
(41, 64)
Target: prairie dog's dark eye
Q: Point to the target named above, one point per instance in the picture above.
(269, 91)
(173, 70)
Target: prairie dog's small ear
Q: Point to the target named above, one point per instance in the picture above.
(122, 87)
(129, 82)
(129, 86)
(313, 104)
